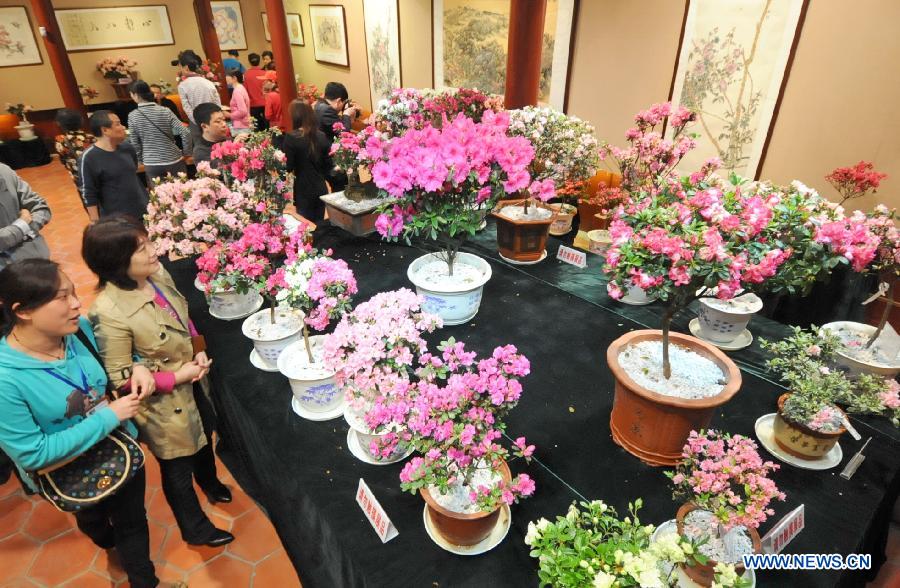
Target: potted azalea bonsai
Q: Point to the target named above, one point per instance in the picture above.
(256, 262)
(696, 236)
(373, 352)
(436, 179)
(24, 128)
(593, 546)
(727, 491)
(565, 151)
(455, 414)
(321, 288)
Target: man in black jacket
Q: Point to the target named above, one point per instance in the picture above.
(335, 106)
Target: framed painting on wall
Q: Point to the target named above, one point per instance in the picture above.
(294, 25)
(731, 69)
(470, 39)
(329, 34)
(18, 45)
(87, 29)
(382, 47)
(229, 23)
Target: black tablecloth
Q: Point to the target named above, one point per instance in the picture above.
(18, 154)
(303, 475)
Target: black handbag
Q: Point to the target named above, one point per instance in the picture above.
(96, 474)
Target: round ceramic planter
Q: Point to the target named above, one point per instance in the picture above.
(721, 321)
(313, 385)
(636, 296)
(600, 242)
(655, 427)
(230, 304)
(455, 305)
(267, 342)
(855, 365)
(463, 529)
(799, 440)
(562, 223)
(25, 130)
(704, 574)
(365, 437)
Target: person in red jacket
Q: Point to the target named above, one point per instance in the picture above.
(254, 85)
(273, 100)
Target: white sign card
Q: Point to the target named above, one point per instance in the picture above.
(373, 511)
(784, 532)
(572, 256)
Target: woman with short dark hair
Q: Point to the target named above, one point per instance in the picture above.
(307, 150)
(73, 141)
(153, 130)
(52, 402)
(240, 102)
(139, 311)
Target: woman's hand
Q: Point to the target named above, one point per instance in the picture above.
(204, 362)
(189, 372)
(126, 406)
(142, 382)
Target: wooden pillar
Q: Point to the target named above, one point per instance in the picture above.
(210, 43)
(523, 60)
(59, 58)
(284, 62)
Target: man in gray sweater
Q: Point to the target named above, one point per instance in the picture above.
(23, 213)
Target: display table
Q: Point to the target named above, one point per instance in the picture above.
(305, 478)
(18, 153)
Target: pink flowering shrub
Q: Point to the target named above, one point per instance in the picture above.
(455, 414)
(116, 68)
(409, 108)
(255, 261)
(319, 286)
(855, 181)
(650, 160)
(256, 167)
(187, 216)
(725, 475)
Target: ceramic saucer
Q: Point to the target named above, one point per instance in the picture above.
(316, 416)
(514, 262)
(358, 453)
(498, 534)
(766, 435)
(256, 306)
(258, 362)
(740, 342)
(684, 581)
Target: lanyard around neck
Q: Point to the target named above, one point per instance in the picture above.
(169, 307)
(85, 387)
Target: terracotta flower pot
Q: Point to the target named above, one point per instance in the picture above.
(704, 574)
(460, 528)
(522, 240)
(654, 427)
(799, 440)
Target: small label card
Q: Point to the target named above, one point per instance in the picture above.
(855, 461)
(376, 515)
(784, 532)
(569, 255)
(850, 428)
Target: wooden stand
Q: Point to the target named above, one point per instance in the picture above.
(357, 218)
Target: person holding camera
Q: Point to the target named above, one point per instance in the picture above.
(335, 106)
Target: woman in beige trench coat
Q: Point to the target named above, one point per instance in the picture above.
(139, 313)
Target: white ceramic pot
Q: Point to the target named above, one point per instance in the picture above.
(313, 385)
(269, 339)
(365, 436)
(636, 297)
(456, 299)
(600, 241)
(229, 304)
(562, 223)
(26, 130)
(721, 321)
(856, 335)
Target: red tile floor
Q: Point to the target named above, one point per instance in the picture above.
(40, 546)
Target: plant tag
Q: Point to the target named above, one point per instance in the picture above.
(855, 462)
(882, 290)
(571, 256)
(784, 531)
(376, 515)
(731, 539)
(850, 428)
(889, 342)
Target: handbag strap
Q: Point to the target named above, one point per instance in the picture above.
(86, 341)
(168, 135)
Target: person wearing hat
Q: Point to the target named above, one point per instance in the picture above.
(194, 89)
(273, 99)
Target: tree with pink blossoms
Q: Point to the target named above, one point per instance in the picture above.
(725, 475)
(455, 413)
(255, 261)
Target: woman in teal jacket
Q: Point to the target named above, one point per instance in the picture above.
(52, 402)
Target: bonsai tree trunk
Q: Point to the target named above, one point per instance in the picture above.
(888, 305)
(309, 353)
(666, 325)
(272, 306)
(450, 251)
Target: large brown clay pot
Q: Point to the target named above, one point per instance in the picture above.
(799, 440)
(522, 240)
(654, 427)
(704, 574)
(459, 528)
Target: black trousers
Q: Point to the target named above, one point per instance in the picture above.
(259, 113)
(160, 171)
(121, 521)
(178, 485)
(310, 207)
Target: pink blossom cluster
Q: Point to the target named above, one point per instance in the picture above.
(455, 412)
(725, 475)
(320, 286)
(828, 419)
(256, 167)
(882, 224)
(186, 216)
(890, 398)
(851, 238)
(116, 67)
(855, 181)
